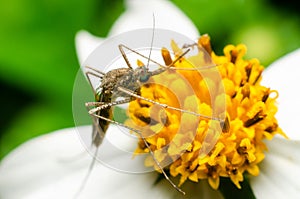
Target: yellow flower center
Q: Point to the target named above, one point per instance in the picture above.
(205, 147)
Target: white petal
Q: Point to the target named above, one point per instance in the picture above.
(39, 164)
(284, 76)
(139, 14)
(280, 171)
(85, 44)
(45, 168)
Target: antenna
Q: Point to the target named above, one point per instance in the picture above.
(152, 40)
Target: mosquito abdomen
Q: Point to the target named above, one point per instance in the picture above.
(103, 124)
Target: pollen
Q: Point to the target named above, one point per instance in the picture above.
(225, 138)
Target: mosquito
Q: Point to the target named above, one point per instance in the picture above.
(125, 83)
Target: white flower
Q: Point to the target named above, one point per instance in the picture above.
(42, 168)
(139, 14)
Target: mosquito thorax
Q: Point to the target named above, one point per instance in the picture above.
(112, 78)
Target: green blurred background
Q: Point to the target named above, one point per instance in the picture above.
(38, 63)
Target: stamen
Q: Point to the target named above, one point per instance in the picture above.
(225, 125)
(258, 117)
(166, 56)
(204, 41)
(139, 63)
(266, 95)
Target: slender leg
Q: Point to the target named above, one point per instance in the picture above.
(121, 46)
(124, 56)
(224, 122)
(103, 105)
(129, 92)
(95, 70)
(87, 74)
(93, 111)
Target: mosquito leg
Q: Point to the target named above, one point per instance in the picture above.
(92, 112)
(124, 56)
(168, 61)
(129, 92)
(164, 67)
(169, 66)
(88, 104)
(96, 131)
(98, 106)
(95, 70)
(87, 74)
(121, 46)
(87, 176)
(190, 45)
(102, 105)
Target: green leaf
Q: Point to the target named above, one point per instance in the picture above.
(229, 190)
(38, 64)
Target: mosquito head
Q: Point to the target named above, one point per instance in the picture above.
(142, 73)
(145, 77)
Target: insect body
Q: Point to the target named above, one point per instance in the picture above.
(121, 82)
(127, 78)
(103, 95)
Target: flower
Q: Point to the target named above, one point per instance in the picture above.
(250, 117)
(40, 167)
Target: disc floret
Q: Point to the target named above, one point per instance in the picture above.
(196, 148)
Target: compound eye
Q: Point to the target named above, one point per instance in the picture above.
(144, 77)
